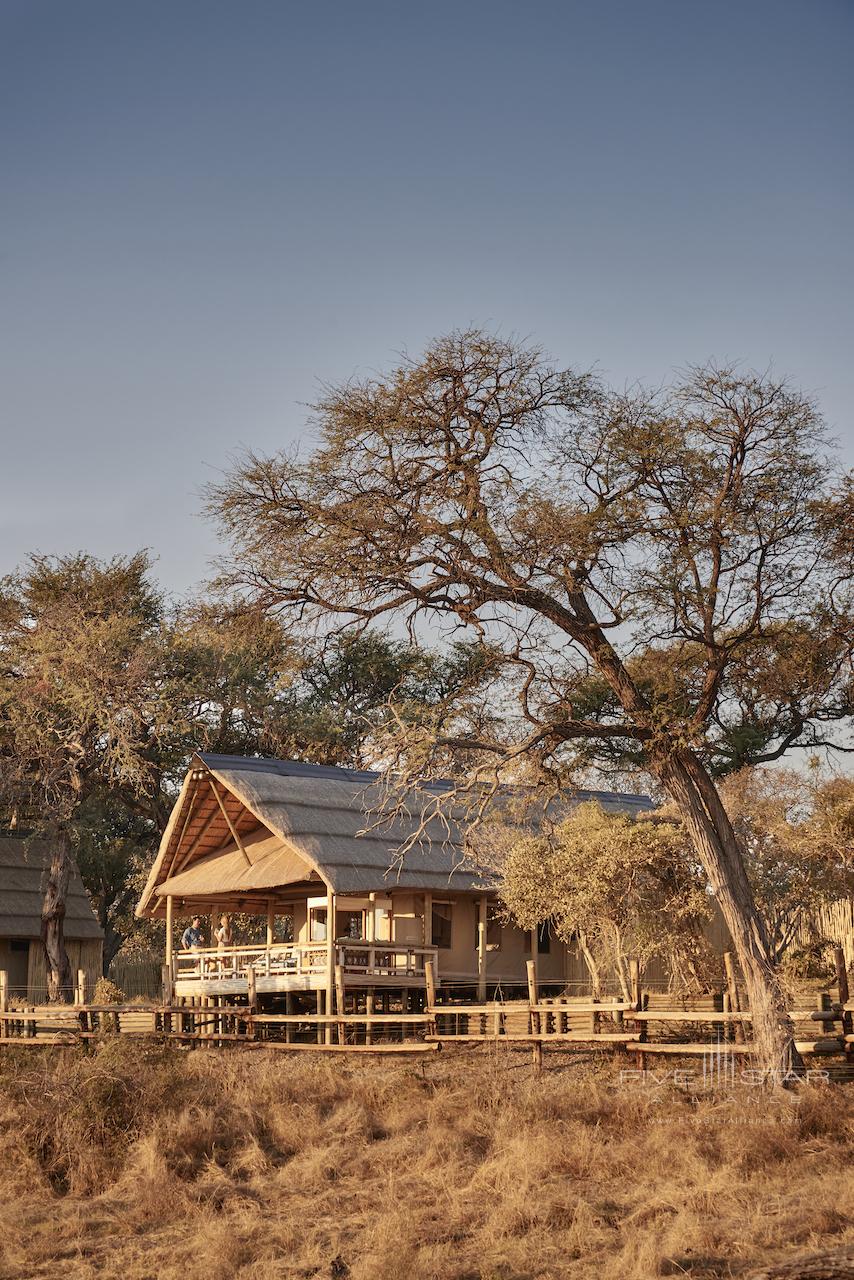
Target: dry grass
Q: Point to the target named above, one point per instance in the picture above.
(141, 1162)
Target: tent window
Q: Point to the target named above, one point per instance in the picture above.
(317, 924)
(350, 924)
(544, 939)
(441, 930)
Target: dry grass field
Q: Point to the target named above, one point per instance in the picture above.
(142, 1162)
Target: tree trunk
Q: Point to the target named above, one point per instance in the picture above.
(693, 791)
(53, 916)
(592, 966)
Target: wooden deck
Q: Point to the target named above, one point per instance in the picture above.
(294, 967)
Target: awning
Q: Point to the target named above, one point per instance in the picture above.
(272, 864)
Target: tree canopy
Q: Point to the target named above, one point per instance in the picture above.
(659, 579)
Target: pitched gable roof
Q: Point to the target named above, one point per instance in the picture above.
(23, 869)
(325, 817)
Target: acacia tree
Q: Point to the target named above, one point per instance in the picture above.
(659, 579)
(77, 652)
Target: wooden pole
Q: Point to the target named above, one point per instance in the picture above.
(427, 930)
(232, 828)
(531, 967)
(430, 983)
(80, 987)
(339, 1000)
(4, 998)
(168, 995)
(170, 904)
(289, 1008)
(534, 1018)
(842, 984)
(271, 923)
(481, 948)
(319, 1011)
(732, 991)
(330, 958)
(370, 1000)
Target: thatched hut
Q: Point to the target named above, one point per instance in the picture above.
(295, 844)
(23, 868)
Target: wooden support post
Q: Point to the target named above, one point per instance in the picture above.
(481, 948)
(4, 1000)
(534, 1018)
(320, 1036)
(734, 997)
(80, 987)
(271, 923)
(844, 996)
(289, 1009)
(251, 997)
(370, 1000)
(728, 1027)
(170, 925)
(330, 958)
(430, 982)
(339, 1000)
(538, 1055)
(427, 930)
(168, 994)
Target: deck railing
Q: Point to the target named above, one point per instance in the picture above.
(302, 959)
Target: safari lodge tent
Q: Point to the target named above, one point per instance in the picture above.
(298, 846)
(24, 863)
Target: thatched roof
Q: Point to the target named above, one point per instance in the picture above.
(323, 820)
(23, 868)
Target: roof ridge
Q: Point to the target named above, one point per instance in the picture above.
(339, 773)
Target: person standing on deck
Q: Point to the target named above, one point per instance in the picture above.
(224, 936)
(193, 938)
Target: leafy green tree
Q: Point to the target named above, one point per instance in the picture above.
(661, 579)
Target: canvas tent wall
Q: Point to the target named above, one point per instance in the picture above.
(23, 867)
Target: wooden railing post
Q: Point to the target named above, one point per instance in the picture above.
(533, 1016)
(430, 983)
(4, 999)
(251, 998)
(339, 1000)
(844, 996)
(80, 987)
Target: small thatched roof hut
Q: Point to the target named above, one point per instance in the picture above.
(23, 868)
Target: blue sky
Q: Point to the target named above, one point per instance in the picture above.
(208, 208)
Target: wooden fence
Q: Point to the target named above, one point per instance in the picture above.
(642, 1027)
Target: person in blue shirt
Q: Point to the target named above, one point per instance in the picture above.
(192, 937)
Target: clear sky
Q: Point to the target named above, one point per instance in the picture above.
(209, 207)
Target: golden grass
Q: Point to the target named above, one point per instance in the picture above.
(143, 1162)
